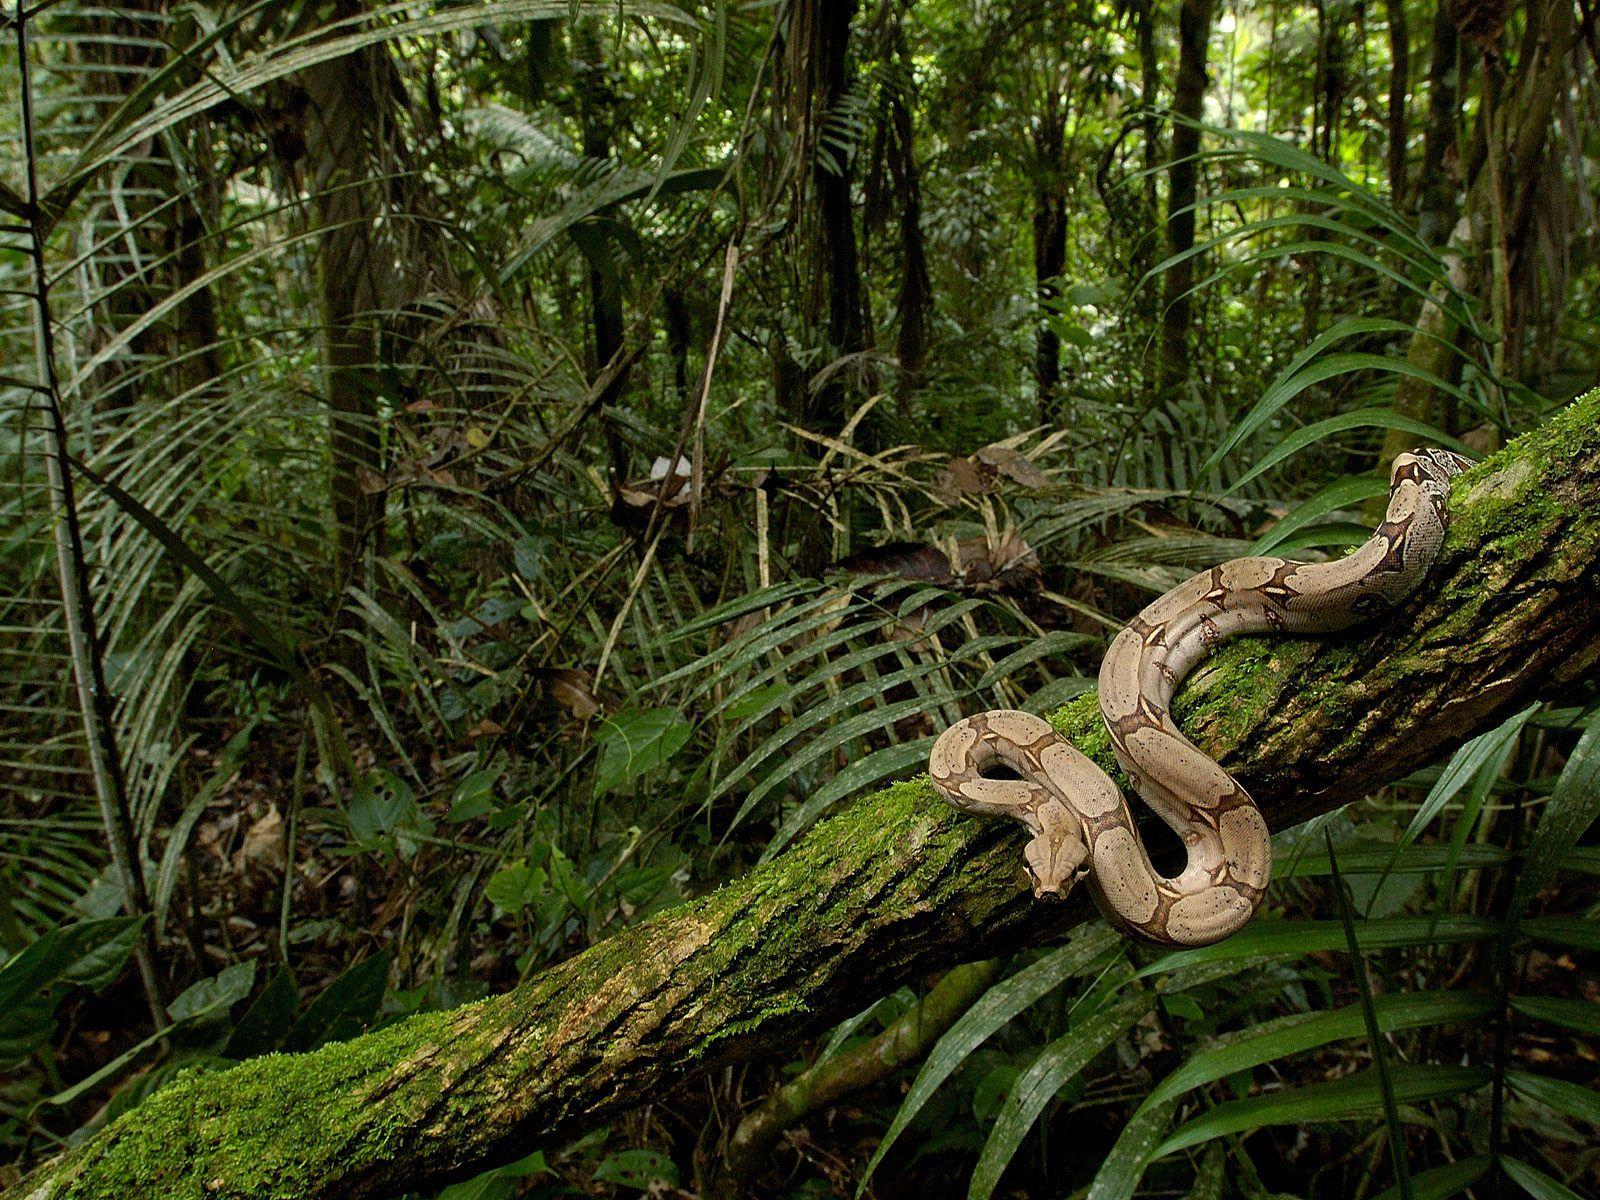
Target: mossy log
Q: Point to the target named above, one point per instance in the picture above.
(895, 886)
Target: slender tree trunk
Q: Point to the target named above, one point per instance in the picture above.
(1146, 256)
(1527, 105)
(1399, 87)
(344, 99)
(1438, 191)
(596, 102)
(1188, 99)
(820, 62)
(817, 73)
(915, 299)
(895, 886)
(675, 310)
(1049, 243)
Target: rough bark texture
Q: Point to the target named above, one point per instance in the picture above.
(1437, 184)
(895, 886)
(1516, 149)
(820, 43)
(343, 101)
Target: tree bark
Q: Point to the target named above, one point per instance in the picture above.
(597, 102)
(1527, 107)
(1188, 98)
(1049, 241)
(1399, 86)
(915, 299)
(820, 41)
(1438, 183)
(895, 886)
(347, 99)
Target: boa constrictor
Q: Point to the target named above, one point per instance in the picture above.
(1080, 822)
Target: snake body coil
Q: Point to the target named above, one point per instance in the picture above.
(1079, 819)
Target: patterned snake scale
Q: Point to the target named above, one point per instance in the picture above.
(1080, 822)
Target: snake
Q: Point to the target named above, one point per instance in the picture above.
(1080, 824)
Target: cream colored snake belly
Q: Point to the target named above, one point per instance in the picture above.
(1080, 822)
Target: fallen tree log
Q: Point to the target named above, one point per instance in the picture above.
(894, 886)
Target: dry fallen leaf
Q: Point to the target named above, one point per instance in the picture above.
(262, 849)
(570, 689)
(1014, 465)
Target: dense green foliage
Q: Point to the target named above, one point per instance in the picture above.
(529, 460)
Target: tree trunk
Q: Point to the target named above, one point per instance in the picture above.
(1049, 243)
(1526, 107)
(1399, 86)
(347, 205)
(1188, 98)
(895, 886)
(915, 298)
(820, 66)
(1439, 184)
(596, 102)
(1146, 252)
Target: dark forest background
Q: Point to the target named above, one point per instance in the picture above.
(477, 475)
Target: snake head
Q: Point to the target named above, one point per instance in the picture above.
(1056, 859)
(1441, 465)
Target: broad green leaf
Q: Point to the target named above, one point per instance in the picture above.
(1123, 1166)
(1464, 764)
(473, 797)
(1581, 933)
(206, 1001)
(1358, 1095)
(638, 1169)
(515, 886)
(89, 954)
(215, 995)
(1345, 494)
(634, 741)
(379, 804)
(345, 1006)
(500, 1183)
(1286, 386)
(1377, 858)
(757, 700)
(266, 1022)
(1361, 418)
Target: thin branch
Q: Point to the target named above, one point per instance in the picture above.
(95, 701)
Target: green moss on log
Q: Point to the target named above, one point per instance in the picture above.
(894, 886)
